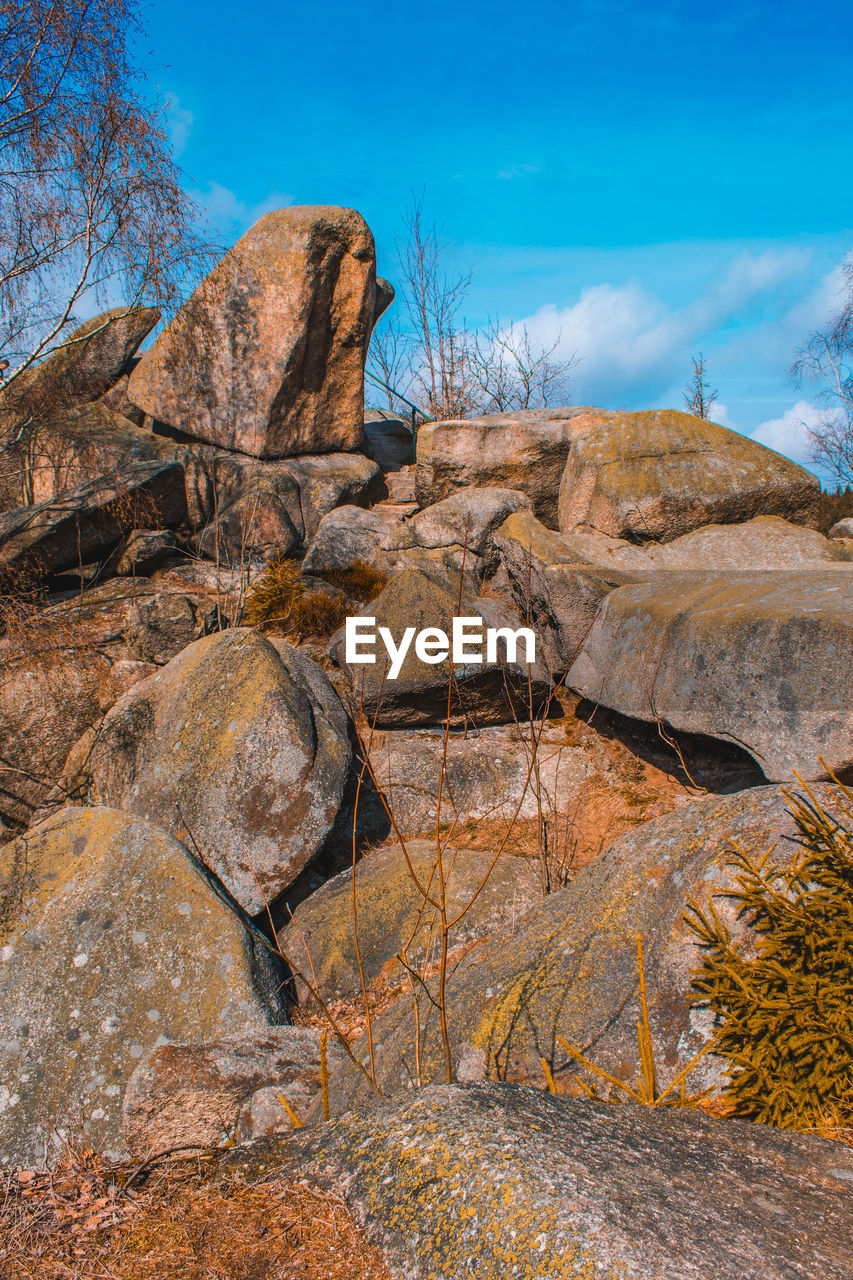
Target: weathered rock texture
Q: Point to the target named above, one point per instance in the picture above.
(527, 450)
(110, 943)
(559, 596)
(482, 692)
(655, 475)
(319, 940)
(267, 356)
(571, 966)
(388, 440)
(842, 528)
(77, 526)
(92, 360)
(585, 788)
(194, 1095)
(763, 660)
(61, 669)
(452, 538)
(486, 1181)
(236, 745)
(765, 542)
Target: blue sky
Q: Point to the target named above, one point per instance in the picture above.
(645, 181)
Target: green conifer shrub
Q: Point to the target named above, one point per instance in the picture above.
(785, 1011)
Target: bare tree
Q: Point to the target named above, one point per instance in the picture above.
(511, 372)
(447, 368)
(390, 361)
(432, 300)
(91, 202)
(698, 396)
(827, 358)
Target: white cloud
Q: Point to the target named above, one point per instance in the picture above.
(227, 212)
(180, 123)
(631, 344)
(789, 434)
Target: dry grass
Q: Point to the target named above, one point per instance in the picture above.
(361, 581)
(92, 1219)
(280, 598)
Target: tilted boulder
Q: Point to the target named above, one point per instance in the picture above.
(558, 596)
(486, 1181)
(237, 746)
(79, 525)
(88, 364)
(480, 692)
(763, 660)
(571, 964)
(655, 475)
(525, 450)
(842, 529)
(72, 446)
(111, 943)
(267, 356)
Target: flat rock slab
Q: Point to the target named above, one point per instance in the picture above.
(110, 943)
(764, 660)
(267, 356)
(487, 1181)
(239, 746)
(655, 475)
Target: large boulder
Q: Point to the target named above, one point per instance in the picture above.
(111, 942)
(842, 529)
(237, 746)
(79, 525)
(267, 356)
(62, 668)
(571, 966)
(766, 542)
(525, 450)
(482, 692)
(388, 440)
(319, 940)
(203, 1095)
(261, 509)
(763, 660)
(655, 475)
(91, 360)
(442, 541)
(557, 592)
(486, 1181)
